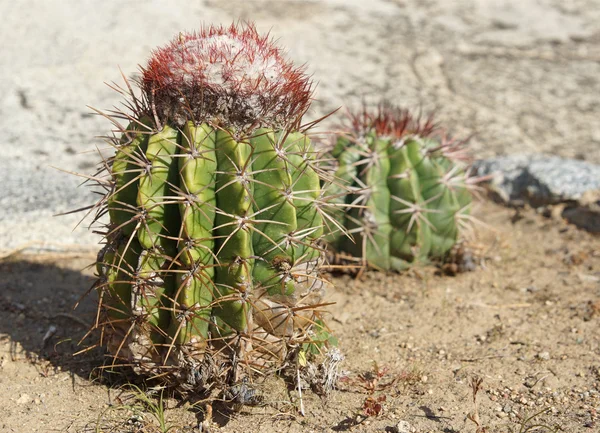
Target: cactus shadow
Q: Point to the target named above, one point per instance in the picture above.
(37, 317)
(40, 326)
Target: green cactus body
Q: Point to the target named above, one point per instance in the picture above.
(305, 191)
(212, 248)
(197, 170)
(413, 239)
(407, 195)
(126, 165)
(219, 234)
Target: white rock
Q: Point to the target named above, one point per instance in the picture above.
(23, 399)
(404, 427)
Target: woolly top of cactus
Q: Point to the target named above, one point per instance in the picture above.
(393, 122)
(399, 124)
(229, 75)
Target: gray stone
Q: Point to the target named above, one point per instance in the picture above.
(28, 188)
(544, 356)
(34, 194)
(540, 179)
(586, 214)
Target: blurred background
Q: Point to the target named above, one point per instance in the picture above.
(523, 76)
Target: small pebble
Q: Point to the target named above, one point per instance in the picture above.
(404, 427)
(544, 356)
(23, 399)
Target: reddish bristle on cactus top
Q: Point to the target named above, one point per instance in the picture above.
(398, 124)
(391, 121)
(230, 75)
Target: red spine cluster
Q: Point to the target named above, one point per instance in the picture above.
(399, 123)
(391, 121)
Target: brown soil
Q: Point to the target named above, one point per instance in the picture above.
(526, 323)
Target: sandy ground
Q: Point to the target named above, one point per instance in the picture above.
(526, 323)
(522, 75)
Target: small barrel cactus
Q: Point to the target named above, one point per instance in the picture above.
(410, 189)
(210, 272)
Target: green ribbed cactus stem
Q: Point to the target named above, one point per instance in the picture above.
(197, 169)
(372, 221)
(408, 209)
(210, 271)
(126, 163)
(159, 219)
(403, 190)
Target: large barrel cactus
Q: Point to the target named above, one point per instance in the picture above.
(210, 272)
(410, 189)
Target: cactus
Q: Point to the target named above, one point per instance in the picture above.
(210, 269)
(410, 189)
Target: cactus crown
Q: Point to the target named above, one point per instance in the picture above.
(397, 125)
(391, 121)
(229, 75)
